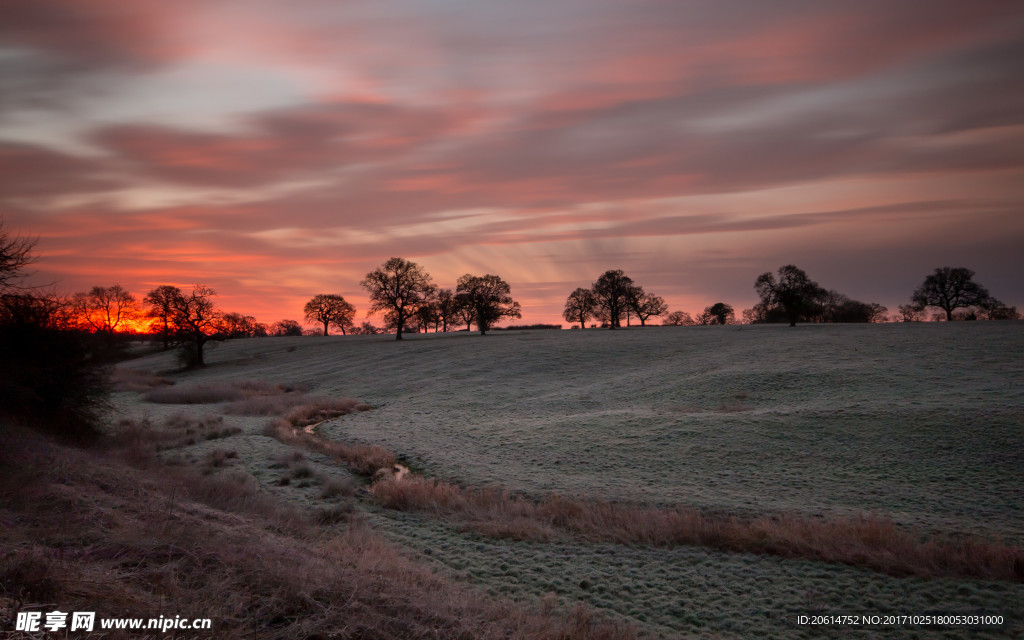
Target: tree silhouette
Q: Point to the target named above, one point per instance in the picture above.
(398, 288)
(464, 310)
(331, 310)
(489, 297)
(611, 294)
(646, 305)
(51, 377)
(678, 318)
(447, 308)
(105, 309)
(579, 306)
(15, 255)
(196, 321)
(910, 312)
(793, 293)
(238, 325)
(161, 308)
(718, 313)
(993, 309)
(950, 288)
(286, 328)
(426, 316)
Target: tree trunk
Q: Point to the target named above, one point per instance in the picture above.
(325, 327)
(949, 315)
(398, 329)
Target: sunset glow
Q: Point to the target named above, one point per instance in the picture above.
(274, 152)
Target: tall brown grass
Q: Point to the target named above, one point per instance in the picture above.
(145, 439)
(83, 531)
(363, 459)
(864, 541)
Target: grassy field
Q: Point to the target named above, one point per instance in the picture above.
(914, 423)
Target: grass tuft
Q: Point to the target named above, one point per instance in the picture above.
(362, 459)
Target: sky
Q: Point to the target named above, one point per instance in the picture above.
(274, 151)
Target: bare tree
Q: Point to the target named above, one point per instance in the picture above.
(646, 305)
(877, 312)
(794, 294)
(950, 288)
(611, 293)
(580, 307)
(237, 325)
(15, 255)
(447, 307)
(909, 313)
(105, 309)
(994, 309)
(196, 322)
(161, 308)
(464, 310)
(286, 328)
(678, 318)
(330, 309)
(490, 297)
(426, 315)
(398, 288)
(367, 329)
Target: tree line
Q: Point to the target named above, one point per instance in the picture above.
(791, 296)
(610, 299)
(404, 295)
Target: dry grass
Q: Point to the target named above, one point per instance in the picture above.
(361, 458)
(337, 488)
(122, 379)
(219, 457)
(865, 541)
(163, 542)
(144, 440)
(213, 392)
(285, 404)
(301, 470)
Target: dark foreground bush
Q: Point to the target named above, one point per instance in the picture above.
(52, 378)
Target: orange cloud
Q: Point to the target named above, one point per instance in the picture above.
(545, 142)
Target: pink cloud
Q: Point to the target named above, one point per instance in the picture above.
(564, 124)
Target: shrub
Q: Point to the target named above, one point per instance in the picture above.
(53, 378)
(301, 470)
(219, 457)
(337, 487)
